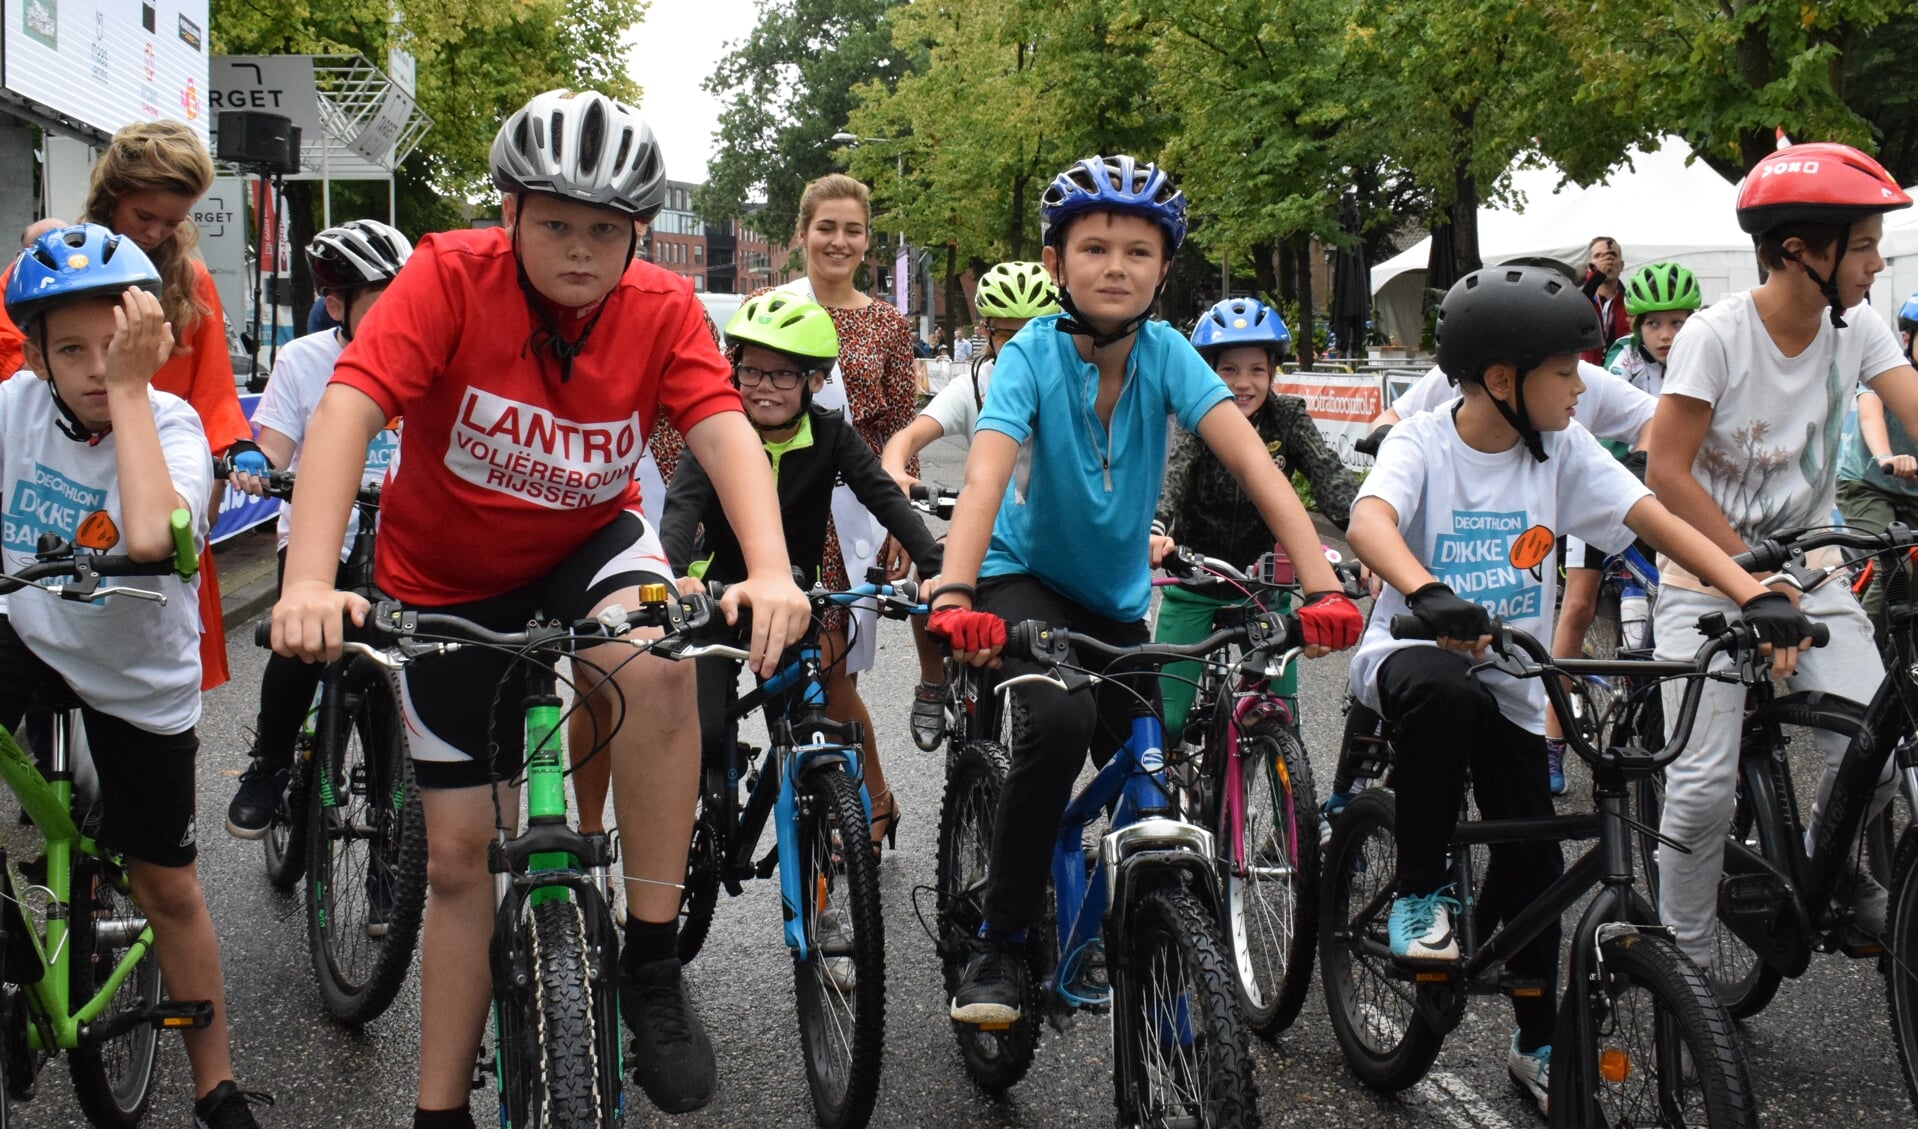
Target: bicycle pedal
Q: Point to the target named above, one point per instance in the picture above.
(764, 867)
(1522, 988)
(182, 1015)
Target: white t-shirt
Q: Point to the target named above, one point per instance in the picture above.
(1610, 408)
(1770, 458)
(293, 394)
(132, 659)
(1460, 511)
(956, 408)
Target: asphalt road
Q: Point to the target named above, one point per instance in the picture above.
(1821, 1054)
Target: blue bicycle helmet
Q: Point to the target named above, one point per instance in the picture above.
(1114, 184)
(82, 261)
(1908, 313)
(1241, 321)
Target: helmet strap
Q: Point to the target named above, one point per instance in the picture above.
(978, 393)
(68, 423)
(1828, 286)
(1076, 323)
(1521, 422)
(548, 335)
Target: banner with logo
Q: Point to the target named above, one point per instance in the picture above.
(1343, 406)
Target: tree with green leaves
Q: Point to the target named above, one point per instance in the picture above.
(787, 88)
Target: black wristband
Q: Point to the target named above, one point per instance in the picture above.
(972, 594)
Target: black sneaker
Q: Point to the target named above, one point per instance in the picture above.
(993, 987)
(228, 1107)
(251, 812)
(671, 1055)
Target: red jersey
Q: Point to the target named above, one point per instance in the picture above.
(504, 470)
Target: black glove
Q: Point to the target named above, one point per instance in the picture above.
(1636, 462)
(1370, 444)
(1449, 617)
(1773, 618)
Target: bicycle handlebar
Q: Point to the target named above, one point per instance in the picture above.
(1519, 655)
(1041, 642)
(279, 484)
(680, 615)
(932, 498)
(1782, 548)
(55, 557)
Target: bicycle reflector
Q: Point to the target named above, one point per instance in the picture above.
(1614, 1065)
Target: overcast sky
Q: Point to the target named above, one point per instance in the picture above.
(673, 52)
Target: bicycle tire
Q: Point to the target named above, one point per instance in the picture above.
(1649, 1011)
(1180, 1050)
(699, 900)
(1373, 1007)
(1604, 637)
(1269, 920)
(995, 1060)
(366, 845)
(1883, 836)
(565, 1024)
(841, 1026)
(112, 1080)
(285, 841)
(1901, 961)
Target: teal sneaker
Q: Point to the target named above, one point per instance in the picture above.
(1421, 927)
(1532, 1071)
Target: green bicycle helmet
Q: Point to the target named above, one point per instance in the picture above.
(1016, 290)
(1656, 287)
(786, 323)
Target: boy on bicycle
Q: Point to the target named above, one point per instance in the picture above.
(530, 362)
(351, 266)
(1009, 295)
(782, 348)
(119, 458)
(1459, 518)
(1076, 427)
(1202, 506)
(1878, 472)
(1748, 429)
(1660, 297)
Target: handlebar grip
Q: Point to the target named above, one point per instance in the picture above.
(1820, 634)
(1766, 556)
(1410, 627)
(919, 492)
(186, 559)
(263, 633)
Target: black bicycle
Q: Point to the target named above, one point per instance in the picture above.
(350, 822)
(1641, 1039)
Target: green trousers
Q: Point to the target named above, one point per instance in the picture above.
(1186, 617)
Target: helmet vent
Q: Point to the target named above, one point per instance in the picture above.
(592, 136)
(556, 132)
(625, 149)
(1552, 286)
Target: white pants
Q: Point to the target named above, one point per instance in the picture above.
(1701, 785)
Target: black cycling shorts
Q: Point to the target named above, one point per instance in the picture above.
(464, 710)
(146, 779)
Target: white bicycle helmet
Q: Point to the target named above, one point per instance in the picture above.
(357, 253)
(581, 145)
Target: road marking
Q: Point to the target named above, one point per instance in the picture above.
(1450, 1096)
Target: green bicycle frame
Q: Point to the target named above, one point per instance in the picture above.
(545, 789)
(48, 803)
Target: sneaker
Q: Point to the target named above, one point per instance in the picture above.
(1421, 927)
(929, 715)
(1555, 766)
(993, 987)
(835, 951)
(1870, 901)
(1329, 811)
(251, 812)
(379, 903)
(1532, 1070)
(671, 1055)
(228, 1107)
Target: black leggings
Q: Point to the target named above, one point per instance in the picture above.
(1049, 745)
(1426, 691)
(286, 694)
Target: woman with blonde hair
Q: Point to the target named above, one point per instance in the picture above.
(144, 186)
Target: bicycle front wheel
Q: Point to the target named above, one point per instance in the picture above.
(1180, 1051)
(996, 1060)
(366, 852)
(841, 982)
(554, 1032)
(112, 1080)
(1269, 858)
(1901, 960)
(1655, 1047)
(1373, 1005)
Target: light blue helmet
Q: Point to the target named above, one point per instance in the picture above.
(1114, 184)
(1241, 321)
(1908, 313)
(82, 261)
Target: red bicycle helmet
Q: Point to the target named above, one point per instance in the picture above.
(1818, 182)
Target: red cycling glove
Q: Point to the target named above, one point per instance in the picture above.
(1328, 619)
(966, 630)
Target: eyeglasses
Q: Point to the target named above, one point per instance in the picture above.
(784, 379)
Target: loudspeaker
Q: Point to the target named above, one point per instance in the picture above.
(265, 142)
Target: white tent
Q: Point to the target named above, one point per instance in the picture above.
(1659, 209)
(1900, 249)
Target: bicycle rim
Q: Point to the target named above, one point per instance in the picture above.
(112, 1080)
(1901, 961)
(1183, 1055)
(840, 986)
(1271, 876)
(1656, 1048)
(366, 857)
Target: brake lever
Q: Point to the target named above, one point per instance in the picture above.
(68, 592)
(1066, 681)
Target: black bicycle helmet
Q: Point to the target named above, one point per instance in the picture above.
(1516, 315)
